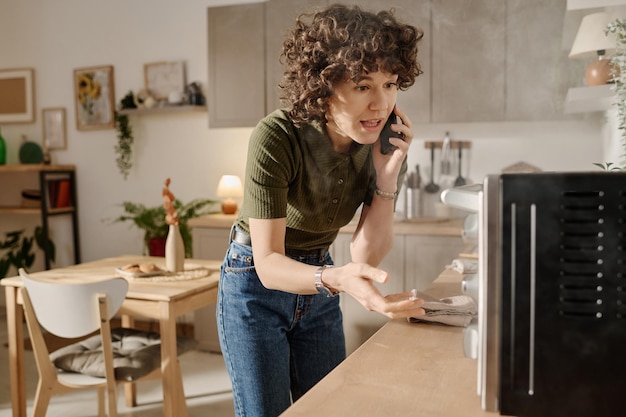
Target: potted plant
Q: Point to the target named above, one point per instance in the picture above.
(152, 221)
(18, 250)
(618, 61)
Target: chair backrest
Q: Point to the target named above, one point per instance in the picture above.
(70, 310)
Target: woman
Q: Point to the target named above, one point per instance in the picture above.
(309, 169)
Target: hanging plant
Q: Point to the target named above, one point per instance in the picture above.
(124, 147)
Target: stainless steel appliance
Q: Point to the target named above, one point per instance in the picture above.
(550, 338)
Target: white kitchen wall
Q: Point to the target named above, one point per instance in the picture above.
(55, 37)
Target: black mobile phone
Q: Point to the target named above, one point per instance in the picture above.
(385, 146)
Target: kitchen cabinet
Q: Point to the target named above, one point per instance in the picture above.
(210, 239)
(48, 176)
(483, 60)
(420, 253)
(236, 92)
(468, 47)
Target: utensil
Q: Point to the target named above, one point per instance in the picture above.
(431, 187)
(460, 180)
(445, 155)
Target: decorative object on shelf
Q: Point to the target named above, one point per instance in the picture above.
(17, 101)
(229, 188)
(174, 246)
(163, 78)
(194, 93)
(592, 41)
(54, 131)
(3, 150)
(144, 100)
(30, 152)
(94, 95)
(152, 221)
(18, 250)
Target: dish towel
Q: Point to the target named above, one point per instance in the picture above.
(464, 266)
(453, 311)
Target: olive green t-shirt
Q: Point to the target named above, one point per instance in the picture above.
(294, 173)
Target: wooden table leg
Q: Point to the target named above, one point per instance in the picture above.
(174, 403)
(15, 317)
(130, 389)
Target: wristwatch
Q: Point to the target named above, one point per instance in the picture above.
(319, 284)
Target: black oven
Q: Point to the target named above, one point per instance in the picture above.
(550, 339)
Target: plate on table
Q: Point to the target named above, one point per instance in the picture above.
(134, 272)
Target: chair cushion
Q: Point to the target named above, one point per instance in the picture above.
(135, 354)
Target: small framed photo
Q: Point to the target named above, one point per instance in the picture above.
(94, 97)
(17, 101)
(54, 129)
(163, 78)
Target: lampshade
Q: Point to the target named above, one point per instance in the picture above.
(229, 187)
(591, 37)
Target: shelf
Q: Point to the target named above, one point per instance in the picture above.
(164, 110)
(592, 4)
(589, 99)
(35, 168)
(34, 210)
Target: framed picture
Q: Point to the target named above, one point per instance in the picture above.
(54, 128)
(94, 98)
(163, 78)
(17, 101)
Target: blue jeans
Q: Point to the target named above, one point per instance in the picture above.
(276, 345)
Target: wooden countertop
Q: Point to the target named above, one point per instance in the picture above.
(405, 369)
(431, 226)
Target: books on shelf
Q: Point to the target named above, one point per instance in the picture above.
(59, 193)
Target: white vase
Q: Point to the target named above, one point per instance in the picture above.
(174, 250)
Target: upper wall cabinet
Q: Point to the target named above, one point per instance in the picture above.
(236, 93)
(483, 60)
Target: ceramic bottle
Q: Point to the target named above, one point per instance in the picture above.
(174, 250)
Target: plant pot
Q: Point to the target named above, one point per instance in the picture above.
(156, 246)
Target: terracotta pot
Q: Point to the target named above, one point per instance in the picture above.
(156, 246)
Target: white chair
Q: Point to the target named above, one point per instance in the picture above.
(74, 310)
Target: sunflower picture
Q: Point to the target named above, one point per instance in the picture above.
(94, 96)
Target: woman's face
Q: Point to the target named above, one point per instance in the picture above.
(357, 112)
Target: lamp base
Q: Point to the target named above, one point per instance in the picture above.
(599, 72)
(229, 206)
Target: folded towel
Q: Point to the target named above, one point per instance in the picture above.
(464, 266)
(453, 311)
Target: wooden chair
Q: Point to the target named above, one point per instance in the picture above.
(72, 310)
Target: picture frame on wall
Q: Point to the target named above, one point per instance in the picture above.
(163, 78)
(94, 98)
(17, 101)
(54, 128)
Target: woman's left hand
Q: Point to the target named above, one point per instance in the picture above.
(388, 166)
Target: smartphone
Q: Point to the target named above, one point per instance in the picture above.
(385, 146)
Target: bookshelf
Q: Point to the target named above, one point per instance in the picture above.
(54, 201)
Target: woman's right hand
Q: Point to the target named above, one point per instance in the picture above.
(357, 280)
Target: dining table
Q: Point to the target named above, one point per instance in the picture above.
(162, 297)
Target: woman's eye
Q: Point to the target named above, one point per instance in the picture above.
(361, 88)
(391, 85)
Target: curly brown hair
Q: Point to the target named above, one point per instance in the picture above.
(343, 43)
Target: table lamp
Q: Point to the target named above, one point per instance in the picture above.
(229, 188)
(592, 41)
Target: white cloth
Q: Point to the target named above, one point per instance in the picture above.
(464, 266)
(453, 311)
